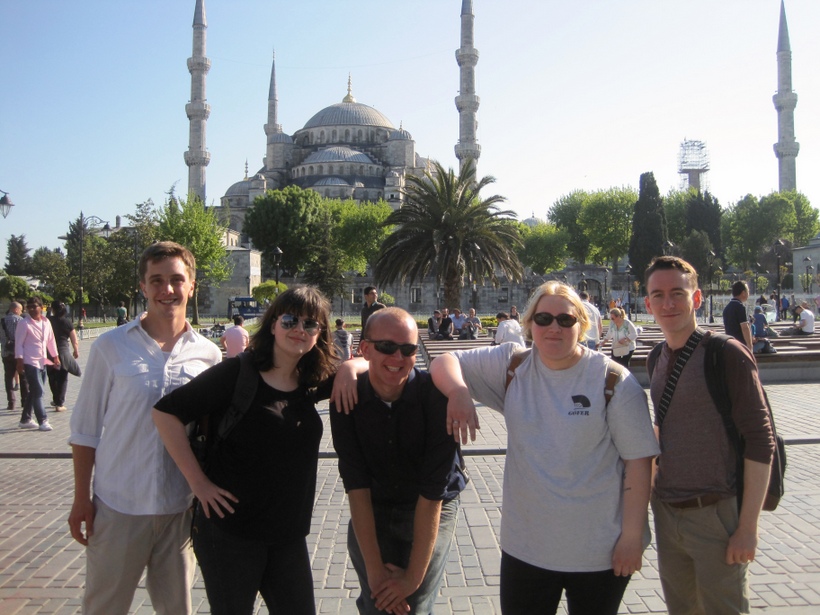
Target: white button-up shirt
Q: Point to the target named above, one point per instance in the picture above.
(126, 375)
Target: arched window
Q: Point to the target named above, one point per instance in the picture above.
(310, 170)
(361, 169)
(320, 170)
(322, 137)
(359, 135)
(330, 169)
(347, 134)
(311, 138)
(334, 136)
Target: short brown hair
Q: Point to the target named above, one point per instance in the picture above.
(161, 250)
(665, 263)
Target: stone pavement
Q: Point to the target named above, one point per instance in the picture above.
(42, 568)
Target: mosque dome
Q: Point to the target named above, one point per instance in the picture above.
(400, 135)
(331, 181)
(349, 114)
(533, 221)
(279, 137)
(240, 188)
(337, 154)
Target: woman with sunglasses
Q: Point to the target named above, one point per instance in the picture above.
(623, 335)
(256, 500)
(577, 474)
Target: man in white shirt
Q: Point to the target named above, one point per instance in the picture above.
(596, 327)
(140, 513)
(806, 324)
(508, 330)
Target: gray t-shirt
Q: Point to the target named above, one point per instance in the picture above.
(563, 477)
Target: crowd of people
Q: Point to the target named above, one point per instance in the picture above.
(578, 478)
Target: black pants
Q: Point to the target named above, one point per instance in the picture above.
(529, 590)
(58, 383)
(235, 569)
(9, 369)
(624, 360)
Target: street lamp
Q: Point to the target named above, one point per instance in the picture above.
(277, 258)
(5, 204)
(106, 233)
(605, 298)
(809, 269)
(583, 283)
(668, 246)
(628, 270)
(777, 247)
(711, 258)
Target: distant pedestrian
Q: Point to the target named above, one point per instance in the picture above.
(9, 327)
(371, 303)
(596, 327)
(122, 314)
(514, 315)
(508, 330)
(343, 340)
(34, 343)
(65, 335)
(235, 339)
(623, 335)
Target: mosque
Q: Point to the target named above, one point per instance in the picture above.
(352, 150)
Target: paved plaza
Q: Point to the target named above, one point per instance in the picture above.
(42, 567)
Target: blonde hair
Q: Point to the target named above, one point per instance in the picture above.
(619, 312)
(561, 290)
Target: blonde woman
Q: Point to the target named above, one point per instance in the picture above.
(623, 335)
(577, 473)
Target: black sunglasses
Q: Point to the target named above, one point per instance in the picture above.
(310, 325)
(544, 319)
(387, 347)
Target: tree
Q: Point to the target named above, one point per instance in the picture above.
(447, 229)
(674, 206)
(290, 219)
(13, 288)
(198, 229)
(565, 214)
(51, 268)
(268, 291)
(806, 224)
(359, 231)
(648, 226)
(703, 214)
(752, 226)
(696, 249)
(605, 219)
(18, 261)
(544, 249)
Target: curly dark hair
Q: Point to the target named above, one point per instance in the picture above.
(304, 301)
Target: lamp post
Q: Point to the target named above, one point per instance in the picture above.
(106, 233)
(277, 258)
(582, 285)
(5, 204)
(711, 260)
(628, 270)
(777, 247)
(668, 246)
(809, 269)
(605, 298)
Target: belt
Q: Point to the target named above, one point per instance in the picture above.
(699, 502)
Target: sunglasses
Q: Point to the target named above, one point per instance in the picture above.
(310, 325)
(387, 347)
(544, 319)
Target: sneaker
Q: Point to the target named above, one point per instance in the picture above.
(60, 408)
(10, 406)
(28, 425)
(16, 387)
(44, 426)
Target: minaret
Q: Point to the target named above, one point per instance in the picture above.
(197, 157)
(467, 102)
(785, 101)
(273, 126)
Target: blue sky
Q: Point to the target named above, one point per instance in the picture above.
(586, 94)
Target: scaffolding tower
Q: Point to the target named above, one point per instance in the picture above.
(693, 164)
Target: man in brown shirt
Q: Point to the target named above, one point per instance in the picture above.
(704, 542)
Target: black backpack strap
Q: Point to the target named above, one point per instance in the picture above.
(677, 369)
(243, 394)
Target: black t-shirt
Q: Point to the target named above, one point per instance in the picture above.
(62, 328)
(734, 314)
(270, 458)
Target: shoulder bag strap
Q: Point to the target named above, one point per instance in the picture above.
(677, 369)
(515, 360)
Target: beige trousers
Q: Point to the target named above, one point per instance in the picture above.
(119, 551)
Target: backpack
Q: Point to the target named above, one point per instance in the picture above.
(613, 373)
(9, 349)
(203, 438)
(343, 340)
(714, 373)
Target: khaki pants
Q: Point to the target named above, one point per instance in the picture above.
(694, 574)
(120, 549)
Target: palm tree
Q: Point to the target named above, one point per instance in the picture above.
(446, 229)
